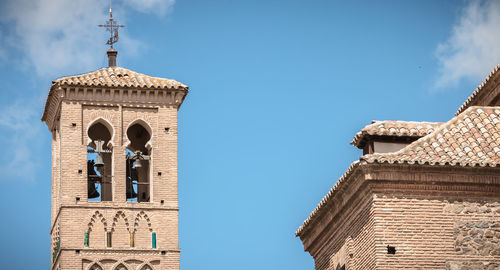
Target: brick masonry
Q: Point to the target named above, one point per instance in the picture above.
(434, 218)
(73, 215)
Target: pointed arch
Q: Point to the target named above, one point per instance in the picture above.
(95, 266)
(147, 127)
(121, 266)
(97, 228)
(146, 267)
(142, 216)
(105, 122)
(97, 216)
(121, 230)
(142, 230)
(116, 218)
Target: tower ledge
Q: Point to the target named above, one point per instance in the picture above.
(113, 85)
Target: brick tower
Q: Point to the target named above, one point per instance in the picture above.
(114, 170)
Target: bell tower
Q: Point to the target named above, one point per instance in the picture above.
(114, 169)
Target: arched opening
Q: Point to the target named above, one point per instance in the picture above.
(95, 266)
(99, 163)
(146, 267)
(137, 164)
(121, 267)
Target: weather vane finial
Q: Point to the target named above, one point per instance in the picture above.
(112, 26)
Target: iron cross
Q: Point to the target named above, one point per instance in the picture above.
(112, 26)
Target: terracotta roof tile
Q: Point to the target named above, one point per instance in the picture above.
(472, 98)
(394, 128)
(469, 139)
(119, 77)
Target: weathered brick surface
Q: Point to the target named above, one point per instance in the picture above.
(73, 214)
(349, 243)
(424, 229)
(434, 217)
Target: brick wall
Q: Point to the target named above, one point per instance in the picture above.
(71, 217)
(349, 239)
(433, 217)
(435, 231)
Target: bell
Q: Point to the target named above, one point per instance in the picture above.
(138, 163)
(92, 191)
(98, 161)
(130, 189)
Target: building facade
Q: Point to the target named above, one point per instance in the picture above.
(422, 196)
(114, 170)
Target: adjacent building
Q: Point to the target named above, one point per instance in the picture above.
(422, 196)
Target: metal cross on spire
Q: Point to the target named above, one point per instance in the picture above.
(112, 26)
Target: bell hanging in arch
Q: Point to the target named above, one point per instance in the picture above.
(137, 163)
(99, 162)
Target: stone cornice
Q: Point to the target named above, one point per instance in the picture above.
(142, 97)
(421, 178)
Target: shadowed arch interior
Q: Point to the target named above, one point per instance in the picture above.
(99, 177)
(138, 164)
(138, 137)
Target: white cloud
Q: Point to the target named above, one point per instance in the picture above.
(61, 36)
(159, 7)
(54, 37)
(472, 50)
(20, 126)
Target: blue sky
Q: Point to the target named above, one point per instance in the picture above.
(277, 91)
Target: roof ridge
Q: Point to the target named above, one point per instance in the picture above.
(120, 77)
(476, 91)
(400, 128)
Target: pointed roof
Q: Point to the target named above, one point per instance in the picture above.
(395, 129)
(119, 77)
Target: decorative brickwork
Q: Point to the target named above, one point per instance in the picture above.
(113, 232)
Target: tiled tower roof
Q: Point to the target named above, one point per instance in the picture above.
(119, 77)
